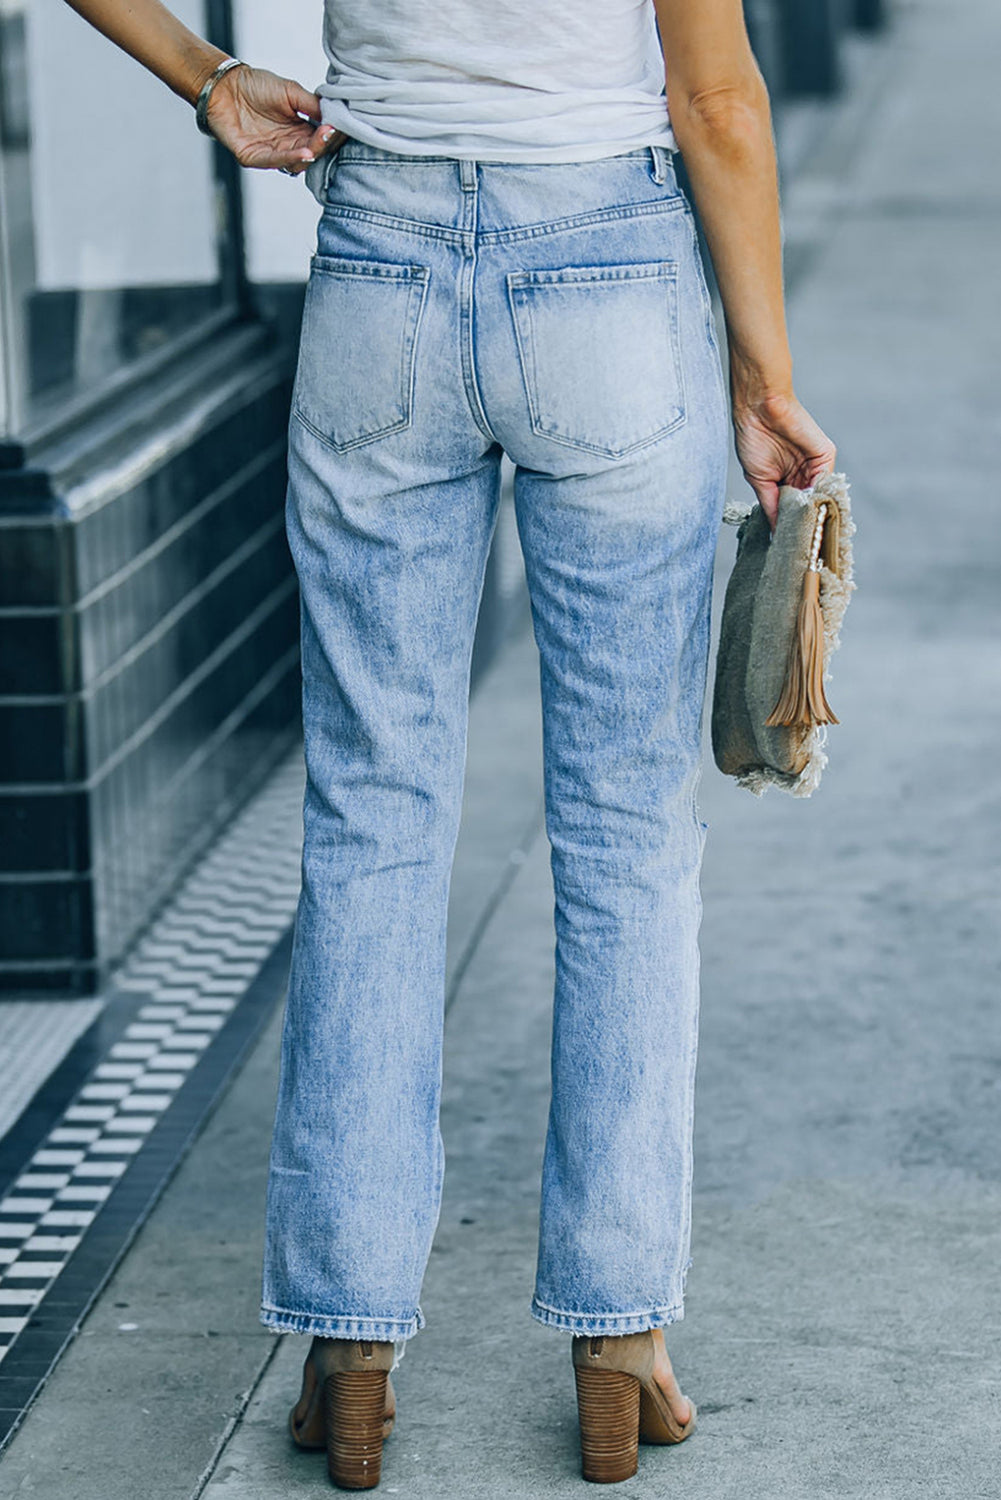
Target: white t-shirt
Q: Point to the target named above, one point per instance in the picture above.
(497, 80)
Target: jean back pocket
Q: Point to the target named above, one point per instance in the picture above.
(600, 353)
(357, 350)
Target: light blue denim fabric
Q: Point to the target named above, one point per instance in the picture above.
(456, 309)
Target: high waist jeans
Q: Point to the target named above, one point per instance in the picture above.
(456, 310)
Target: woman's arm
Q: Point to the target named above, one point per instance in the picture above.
(252, 111)
(721, 118)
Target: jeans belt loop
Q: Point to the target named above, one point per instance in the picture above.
(658, 163)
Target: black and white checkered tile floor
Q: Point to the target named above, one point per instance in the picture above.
(178, 995)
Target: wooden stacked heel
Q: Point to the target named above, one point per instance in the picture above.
(347, 1407)
(620, 1405)
(608, 1405)
(355, 1405)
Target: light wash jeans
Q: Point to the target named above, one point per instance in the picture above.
(559, 313)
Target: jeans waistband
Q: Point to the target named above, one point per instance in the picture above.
(660, 160)
(660, 157)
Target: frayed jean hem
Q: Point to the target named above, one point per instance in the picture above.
(609, 1324)
(379, 1330)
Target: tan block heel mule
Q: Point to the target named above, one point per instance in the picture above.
(348, 1407)
(621, 1405)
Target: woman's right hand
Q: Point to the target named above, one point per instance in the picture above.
(778, 443)
(258, 116)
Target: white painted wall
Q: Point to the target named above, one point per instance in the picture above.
(281, 213)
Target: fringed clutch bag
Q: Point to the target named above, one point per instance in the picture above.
(785, 601)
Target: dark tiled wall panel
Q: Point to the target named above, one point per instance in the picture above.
(40, 742)
(150, 680)
(152, 812)
(49, 979)
(166, 756)
(233, 769)
(143, 684)
(47, 830)
(110, 537)
(132, 602)
(36, 653)
(32, 563)
(46, 919)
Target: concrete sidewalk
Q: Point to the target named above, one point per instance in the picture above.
(843, 1331)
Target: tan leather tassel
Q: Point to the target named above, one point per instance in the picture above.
(803, 700)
